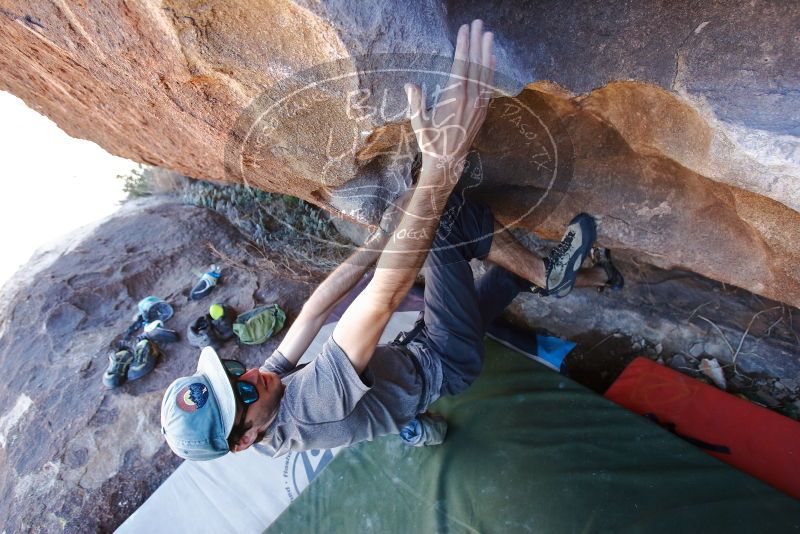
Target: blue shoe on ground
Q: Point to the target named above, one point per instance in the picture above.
(154, 309)
(206, 283)
(564, 261)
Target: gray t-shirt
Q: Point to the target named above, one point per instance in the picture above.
(326, 404)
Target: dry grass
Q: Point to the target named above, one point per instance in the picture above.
(278, 263)
(286, 235)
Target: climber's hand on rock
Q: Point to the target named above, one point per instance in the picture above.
(446, 132)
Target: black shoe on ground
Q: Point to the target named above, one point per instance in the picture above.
(118, 363)
(145, 357)
(223, 326)
(602, 258)
(200, 334)
(564, 261)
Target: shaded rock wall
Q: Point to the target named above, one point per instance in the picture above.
(655, 178)
(684, 131)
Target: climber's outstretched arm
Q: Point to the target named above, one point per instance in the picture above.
(444, 135)
(338, 284)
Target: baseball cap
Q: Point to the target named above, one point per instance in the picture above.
(197, 412)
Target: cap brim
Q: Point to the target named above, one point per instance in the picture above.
(211, 366)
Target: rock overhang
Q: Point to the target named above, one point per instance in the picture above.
(682, 122)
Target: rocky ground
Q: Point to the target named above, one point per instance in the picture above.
(75, 457)
(680, 319)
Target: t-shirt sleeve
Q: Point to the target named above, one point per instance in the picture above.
(277, 364)
(328, 389)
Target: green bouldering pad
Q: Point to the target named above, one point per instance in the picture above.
(529, 450)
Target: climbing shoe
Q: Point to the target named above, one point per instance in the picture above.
(221, 321)
(154, 309)
(206, 283)
(145, 356)
(602, 258)
(200, 334)
(155, 331)
(564, 261)
(118, 364)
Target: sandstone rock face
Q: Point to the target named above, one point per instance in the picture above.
(677, 126)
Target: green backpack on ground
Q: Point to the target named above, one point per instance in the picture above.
(259, 324)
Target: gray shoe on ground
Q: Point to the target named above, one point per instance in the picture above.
(118, 363)
(200, 334)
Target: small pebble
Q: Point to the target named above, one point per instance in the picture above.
(767, 399)
(696, 350)
(790, 384)
(712, 369)
(679, 362)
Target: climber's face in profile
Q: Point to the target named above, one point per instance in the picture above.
(258, 395)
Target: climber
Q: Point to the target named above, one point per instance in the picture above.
(355, 389)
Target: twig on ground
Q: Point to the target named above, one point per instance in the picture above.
(736, 372)
(609, 336)
(227, 259)
(773, 325)
(696, 310)
(719, 331)
(757, 299)
(750, 324)
(791, 327)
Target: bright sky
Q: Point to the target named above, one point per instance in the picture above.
(52, 183)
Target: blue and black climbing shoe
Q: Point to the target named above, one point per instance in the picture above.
(118, 363)
(564, 261)
(601, 257)
(154, 309)
(145, 357)
(206, 283)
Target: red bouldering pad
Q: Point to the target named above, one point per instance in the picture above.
(756, 440)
